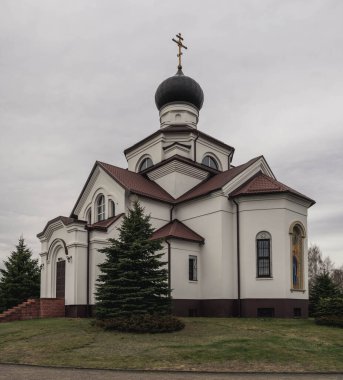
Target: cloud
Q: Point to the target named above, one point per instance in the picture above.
(78, 82)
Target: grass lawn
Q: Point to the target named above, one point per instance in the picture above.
(214, 344)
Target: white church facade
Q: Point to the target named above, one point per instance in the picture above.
(234, 237)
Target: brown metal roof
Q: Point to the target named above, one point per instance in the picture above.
(262, 184)
(64, 219)
(136, 183)
(216, 182)
(177, 230)
(104, 224)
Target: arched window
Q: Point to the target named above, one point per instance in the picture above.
(210, 162)
(89, 216)
(263, 254)
(297, 256)
(111, 208)
(100, 206)
(145, 164)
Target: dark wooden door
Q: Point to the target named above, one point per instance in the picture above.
(60, 279)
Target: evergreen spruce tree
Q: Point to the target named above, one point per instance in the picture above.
(20, 279)
(323, 287)
(133, 280)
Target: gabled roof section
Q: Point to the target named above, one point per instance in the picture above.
(262, 184)
(178, 129)
(177, 230)
(216, 182)
(64, 219)
(136, 183)
(104, 224)
(177, 157)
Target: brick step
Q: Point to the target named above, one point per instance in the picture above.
(35, 308)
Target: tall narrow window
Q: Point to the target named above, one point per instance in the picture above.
(297, 257)
(111, 208)
(193, 268)
(101, 208)
(263, 249)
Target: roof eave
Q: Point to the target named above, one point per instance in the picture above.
(200, 241)
(311, 201)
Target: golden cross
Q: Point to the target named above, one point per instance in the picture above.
(180, 45)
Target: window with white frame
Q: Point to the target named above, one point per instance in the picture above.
(192, 268)
(263, 253)
(100, 206)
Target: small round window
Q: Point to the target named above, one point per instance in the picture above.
(146, 163)
(210, 162)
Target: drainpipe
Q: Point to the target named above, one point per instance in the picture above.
(169, 251)
(169, 266)
(88, 260)
(195, 147)
(171, 213)
(238, 263)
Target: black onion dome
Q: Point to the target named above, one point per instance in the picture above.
(179, 88)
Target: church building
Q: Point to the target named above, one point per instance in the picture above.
(234, 237)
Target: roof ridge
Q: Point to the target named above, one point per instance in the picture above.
(237, 169)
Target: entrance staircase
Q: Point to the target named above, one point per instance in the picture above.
(35, 308)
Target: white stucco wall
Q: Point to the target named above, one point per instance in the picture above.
(273, 214)
(176, 184)
(101, 183)
(211, 217)
(182, 287)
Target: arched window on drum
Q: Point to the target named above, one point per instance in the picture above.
(100, 208)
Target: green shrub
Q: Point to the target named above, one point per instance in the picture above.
(330, 311)
(330, 320)
(142, 324)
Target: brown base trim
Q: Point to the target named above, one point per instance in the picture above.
(76, 311)
(281, 308)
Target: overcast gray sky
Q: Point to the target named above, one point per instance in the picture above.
(78, 78)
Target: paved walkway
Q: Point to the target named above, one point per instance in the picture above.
(23, 372)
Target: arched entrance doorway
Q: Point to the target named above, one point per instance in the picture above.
(60, 278)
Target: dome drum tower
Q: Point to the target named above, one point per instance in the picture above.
(179, 100)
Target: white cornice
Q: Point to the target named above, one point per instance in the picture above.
(76, 244)
(272, 197)
(75, 227)
(51, 229)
